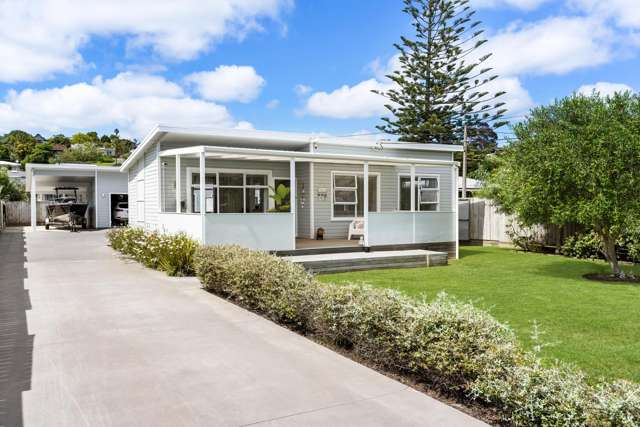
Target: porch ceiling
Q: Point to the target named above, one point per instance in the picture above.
(237, 153)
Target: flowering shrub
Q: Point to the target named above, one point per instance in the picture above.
(172, 254)
(450, 344)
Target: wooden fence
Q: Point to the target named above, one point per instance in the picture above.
(480, 220)
(19, 213)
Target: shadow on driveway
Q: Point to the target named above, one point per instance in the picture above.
(16, 345)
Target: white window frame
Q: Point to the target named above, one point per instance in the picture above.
(355, 175)
(418, 196)
(244, 186)
(140, 197)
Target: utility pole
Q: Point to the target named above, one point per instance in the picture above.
(464, 165)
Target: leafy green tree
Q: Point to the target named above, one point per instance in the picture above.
(42, 153)
(85, 138)
(59, 139)
(10, 190)
(441, 81)
(82, 153)
(5, 152)
(577, 160)
(20, 144)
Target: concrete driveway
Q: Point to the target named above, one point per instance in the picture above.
(113, 343)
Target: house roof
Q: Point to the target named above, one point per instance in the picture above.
(69, 169)
(264, 139)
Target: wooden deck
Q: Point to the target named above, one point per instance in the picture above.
(302, 244)
(354, 261)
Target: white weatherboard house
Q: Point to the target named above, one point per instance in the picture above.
(339, 183)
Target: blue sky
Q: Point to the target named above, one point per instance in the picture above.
(277, 64)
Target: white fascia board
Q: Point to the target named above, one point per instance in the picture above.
(280, 137)
(257, 153)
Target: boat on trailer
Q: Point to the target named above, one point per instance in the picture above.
(66, 211)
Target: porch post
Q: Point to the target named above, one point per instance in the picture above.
(178, 186)
(203, 195)
(366, 203)
(413, 202)
(34, 210)
(292, 199)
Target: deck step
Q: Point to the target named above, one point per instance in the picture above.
(354, 261)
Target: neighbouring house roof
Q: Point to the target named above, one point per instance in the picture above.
(58, 147)
(4, 163)
(472, 184)
(266, 140)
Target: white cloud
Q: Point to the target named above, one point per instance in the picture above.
(381, 70)
(517, 4)
(555, 45)
(302, 90)
(131, 102)
(626, 13)
(39, 38)
(349, 102)
(274, 103)
(604, 88)
(517, 99)
(228, 83)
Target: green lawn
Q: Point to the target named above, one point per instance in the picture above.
(593, 325)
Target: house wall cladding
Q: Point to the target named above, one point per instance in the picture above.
(108, 182)
(303, 200)
(388, 181)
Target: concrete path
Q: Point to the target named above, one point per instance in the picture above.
(115, 344)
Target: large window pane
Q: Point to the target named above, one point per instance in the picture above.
(348, 181)
(405, 193)
(426, 182)
(344, 196)
(210, 179)
(428, 196)
(373, 194)
(256, 199)
(426, 190)
(234, 179)
(210, 200)
(231, 200)
(257, 180)
(428, 207)
(344, 211)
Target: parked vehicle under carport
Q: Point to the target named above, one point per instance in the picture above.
(66, 211)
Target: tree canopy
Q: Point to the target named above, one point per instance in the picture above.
(20, 146)
(577, 160)
(10, 190)
(441, 84)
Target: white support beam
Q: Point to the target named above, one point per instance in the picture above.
(456, 205)
(293, 198)
(365, 180)
(178, 185)
(413, 201)
(34, 207)
(203, 194)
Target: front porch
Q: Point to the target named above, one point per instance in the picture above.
(236, 206)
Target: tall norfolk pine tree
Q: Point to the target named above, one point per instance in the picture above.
(440, 88)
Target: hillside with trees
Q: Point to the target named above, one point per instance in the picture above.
(23, 147)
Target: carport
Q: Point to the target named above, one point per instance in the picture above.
(97, 186)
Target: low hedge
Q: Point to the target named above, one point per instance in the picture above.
(172, 254)
(443, 342)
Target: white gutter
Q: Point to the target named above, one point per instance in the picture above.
(302, 156)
